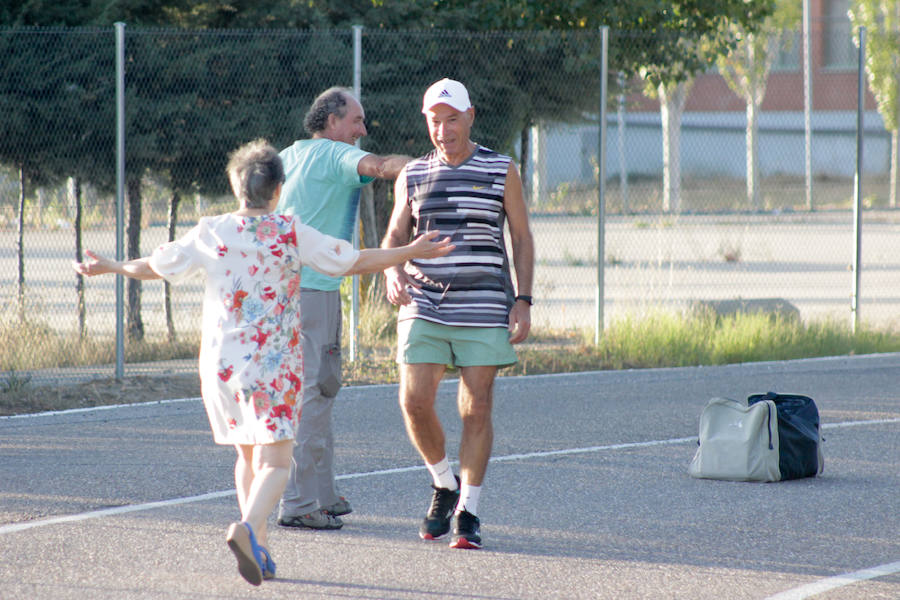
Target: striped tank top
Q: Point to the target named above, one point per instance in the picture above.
(471, 286)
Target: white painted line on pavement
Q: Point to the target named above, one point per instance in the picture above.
(117, 510)
(831, 583)
(96, 514)
(856, 423)
(14, 527)
(524, 456)
(624, 446)
(71, 411)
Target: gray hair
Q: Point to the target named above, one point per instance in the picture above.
(332, 101)
(255, 171)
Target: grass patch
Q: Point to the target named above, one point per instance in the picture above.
(671, 340)
(30, 345)
(649, 341)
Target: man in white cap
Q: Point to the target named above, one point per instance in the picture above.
(460, 310)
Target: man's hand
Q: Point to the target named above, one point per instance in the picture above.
(396, 281)
(519, 322)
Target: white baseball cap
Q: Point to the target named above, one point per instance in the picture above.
(449, 92)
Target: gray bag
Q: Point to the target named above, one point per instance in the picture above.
(738, 442)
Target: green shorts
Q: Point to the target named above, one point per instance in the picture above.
(421, 341)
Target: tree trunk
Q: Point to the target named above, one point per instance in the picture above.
(755, 93)
(525, 156)
(671, 104)
(40, 195)
(382, 205)
(620, 143)
(20, 245)
(895, 165)
(167, 288)
(133, 323)
(538, 179)
(75, 200)
(753, 155)
(370, 236)
(382, 197)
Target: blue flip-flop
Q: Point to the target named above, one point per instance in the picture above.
(267, 566)
(248, 552)
(268, 569)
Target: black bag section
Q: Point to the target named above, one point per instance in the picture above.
(800, 452)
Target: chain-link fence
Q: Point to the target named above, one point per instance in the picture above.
(700, 234)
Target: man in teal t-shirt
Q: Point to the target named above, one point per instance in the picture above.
(323, 176)
(322, 187)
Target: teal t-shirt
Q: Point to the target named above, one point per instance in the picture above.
(322, 187)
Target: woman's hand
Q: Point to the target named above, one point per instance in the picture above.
(96, 265)
(139, 268)
(424, 247)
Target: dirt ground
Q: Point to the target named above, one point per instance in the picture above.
(18, 396)
(99, 392)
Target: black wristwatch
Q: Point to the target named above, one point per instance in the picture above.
(527, 299)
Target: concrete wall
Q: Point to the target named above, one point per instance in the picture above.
(712, 144)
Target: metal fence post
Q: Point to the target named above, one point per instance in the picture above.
(807, 106)
(120, 196)
(620, 130)
(354, 300)
(601, 187)
(857, 192)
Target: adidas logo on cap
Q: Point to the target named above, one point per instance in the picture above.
(449, 92)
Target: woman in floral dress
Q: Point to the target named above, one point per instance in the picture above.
(251, 362)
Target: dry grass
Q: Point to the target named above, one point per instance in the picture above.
(31, 345)
(656, 340)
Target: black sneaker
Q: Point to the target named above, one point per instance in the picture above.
(437, 522)
(466, 533)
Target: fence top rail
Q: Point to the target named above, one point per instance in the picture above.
(370, 32)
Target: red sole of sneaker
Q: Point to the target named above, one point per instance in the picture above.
(464, 544)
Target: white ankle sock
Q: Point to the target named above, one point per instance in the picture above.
(442, 474)
(468, 498)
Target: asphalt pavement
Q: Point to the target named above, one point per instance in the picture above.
(587, 497)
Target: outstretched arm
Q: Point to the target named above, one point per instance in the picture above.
(138, 268)
(382, 167)
(378, 259)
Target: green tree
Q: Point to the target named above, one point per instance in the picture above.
(881, 18)
(73, 145)
(191, 98)
(53, 106)
(746, 71)
(85, 146)
(666, 43)
(247, 14)
(33, 13)
(206, 92)
(692, 36)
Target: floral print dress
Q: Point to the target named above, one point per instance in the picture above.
(251, 362)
